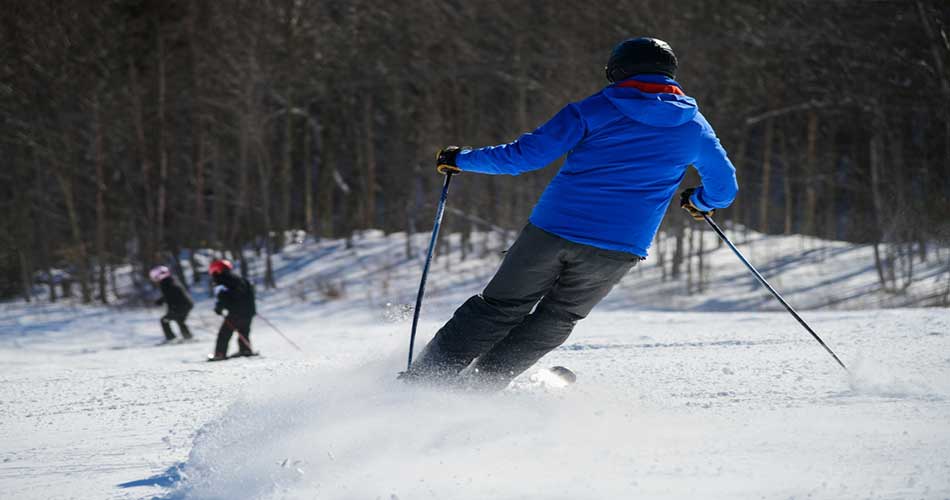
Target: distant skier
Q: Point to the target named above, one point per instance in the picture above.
(176, 298)
(628, 148)
(235, 295)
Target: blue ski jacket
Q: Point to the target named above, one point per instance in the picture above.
(628, 150)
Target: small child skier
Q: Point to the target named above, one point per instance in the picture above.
(176, 298)
(628, 148)
(235, 295)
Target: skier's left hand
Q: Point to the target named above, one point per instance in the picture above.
(219, 311)
(445, 160)
(687, 204)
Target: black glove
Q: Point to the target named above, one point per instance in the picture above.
(687, 204)
(445, 160)
(219, 311)
(160, 301)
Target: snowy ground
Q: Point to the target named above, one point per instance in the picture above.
(696, 404)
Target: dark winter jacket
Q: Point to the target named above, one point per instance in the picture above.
(234, 294)
(175, 295)
(628, 147)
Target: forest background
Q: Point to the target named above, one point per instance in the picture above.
(135, 131)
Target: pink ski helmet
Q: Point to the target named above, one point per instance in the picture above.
(158, 273)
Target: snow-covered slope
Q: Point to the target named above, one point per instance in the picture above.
(669, 404)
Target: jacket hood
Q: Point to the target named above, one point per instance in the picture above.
(657, 110)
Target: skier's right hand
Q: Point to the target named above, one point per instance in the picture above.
(445, 160)
(160, 301)
(219, 311)
(686, 203)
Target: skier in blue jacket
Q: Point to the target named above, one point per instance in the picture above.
(628, 148)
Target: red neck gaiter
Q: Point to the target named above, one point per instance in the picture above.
(652, 88)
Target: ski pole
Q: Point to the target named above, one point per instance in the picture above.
(425, 269)
(766, 284)
(291, 342)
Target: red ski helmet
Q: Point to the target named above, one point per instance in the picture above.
(218, 266)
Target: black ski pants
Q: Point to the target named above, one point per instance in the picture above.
(178, 317)
(545, 285)
(229, 326)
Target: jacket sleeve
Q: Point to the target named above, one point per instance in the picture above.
(531, 151)
(221, 298)
(719, 186)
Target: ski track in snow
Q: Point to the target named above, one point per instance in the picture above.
(667, 405)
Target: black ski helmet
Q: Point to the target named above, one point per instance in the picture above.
(640, 55)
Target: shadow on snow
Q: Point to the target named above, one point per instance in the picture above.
(167, 479)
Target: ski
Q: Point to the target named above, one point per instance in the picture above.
(249, 355)
(564, 374)
(212, 358)
(176, 341)
(547, 379)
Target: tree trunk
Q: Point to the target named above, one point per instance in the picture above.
(410, 230)
(162, 145)
(114, 284)
(690, 251)
(285, 214)
(40, 219)
(413, 205)
(325, 190)
(946, 293)
(242, 261)
(81, 256)
(138, 120)
(786, 181)
(875, 155)
(701, 280)
(317, 164)
(904, 243)
(264, 171)
(308, 166)
(22, 229)
(26, 281)
(100, 203)
(198, 127)
(201, 223)
(811, 193)
(369, 159)
(678, 250)
(218, 229)
(766, 176)
(286, 167)
(241, 201)
(740, 206)
(879, 266)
